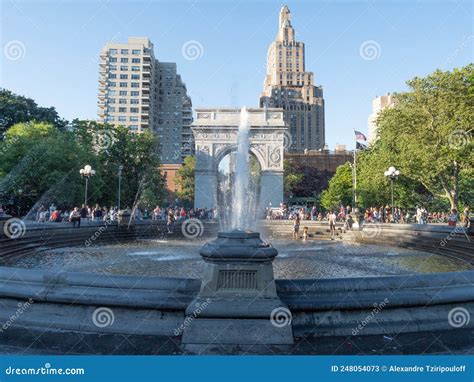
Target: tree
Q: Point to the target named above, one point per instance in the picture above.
(142, 184)
(291, 178)
(339, 190)
(185, 179)
(428, 133)
(40, 164)
(15, 109)
(43, 162)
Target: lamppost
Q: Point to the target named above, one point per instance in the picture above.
(393, 174)
(86, 172)
(120, 169)
(20, 191)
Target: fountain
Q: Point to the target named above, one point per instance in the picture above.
(238, 302)
(240, 217)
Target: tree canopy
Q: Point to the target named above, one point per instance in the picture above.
(427, 135)
(16, 109)
(40, 164)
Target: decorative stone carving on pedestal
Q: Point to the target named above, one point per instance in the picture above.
(238, 303)
(215, 135)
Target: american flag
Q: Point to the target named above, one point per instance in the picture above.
(360, 136)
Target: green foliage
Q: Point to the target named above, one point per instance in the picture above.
(42, 163)
(340, 188)
(185, 179)
(427, 135)
(291, 179)
(15, 109)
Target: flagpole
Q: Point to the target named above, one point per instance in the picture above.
(354, 176)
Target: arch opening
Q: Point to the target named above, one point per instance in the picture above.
(225, 187)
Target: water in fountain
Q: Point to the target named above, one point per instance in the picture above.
(241, 217)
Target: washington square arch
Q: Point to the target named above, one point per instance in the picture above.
(215, 134)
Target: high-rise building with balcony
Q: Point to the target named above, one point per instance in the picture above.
(141, 93)
(378, 104)
(174, 113)
(288, 85)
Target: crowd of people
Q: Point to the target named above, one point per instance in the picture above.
(345, 214)
(97, 213)
(372, 215)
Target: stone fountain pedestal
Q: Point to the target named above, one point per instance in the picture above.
(238, 303)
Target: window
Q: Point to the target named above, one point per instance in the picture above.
(111, 100)
(111, 109)
(122, 101)
(135, 60)
(134, 110)
(135, 76)
(123, 84)
(123, 67)
(134, 93)
(111, 93)
(112, 51)
(112, 75)
(112, 84)
(110, 118)
(124, 51)
(122, 92)
(113, 59)
(124, 60)
(121, 118)
(134, 101)
(135, 84)
(133, 119)
(113, 67)
(122, 109)
(124, 76)
(133, 127)
(135, 68)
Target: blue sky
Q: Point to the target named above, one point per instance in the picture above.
(59, 44)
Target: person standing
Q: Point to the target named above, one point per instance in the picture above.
(170, 221)
(465, 215)
(332, 224)
(453, 218)
(83, 212)
(296, 226)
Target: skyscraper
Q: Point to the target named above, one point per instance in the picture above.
(140, 92)
(378, 104)
(288, 85)
(125, 82)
